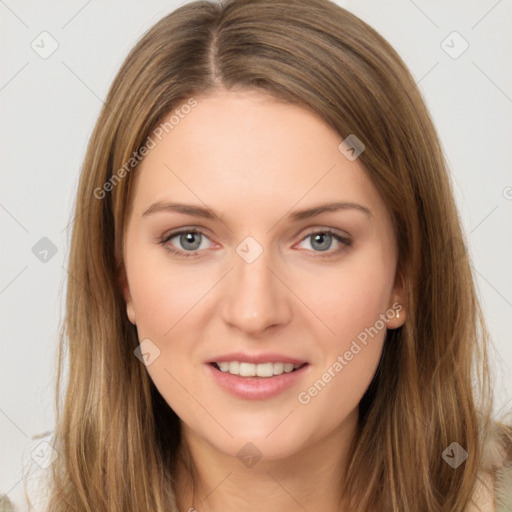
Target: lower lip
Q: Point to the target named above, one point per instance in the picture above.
(256, 388)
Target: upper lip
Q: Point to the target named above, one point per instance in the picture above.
(256, 358)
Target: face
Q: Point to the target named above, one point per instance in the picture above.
(253, 275)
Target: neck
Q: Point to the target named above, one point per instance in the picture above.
(208, 480)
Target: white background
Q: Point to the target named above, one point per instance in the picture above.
(49, 107)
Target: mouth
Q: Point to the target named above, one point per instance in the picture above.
(262, 370)
(260, 380)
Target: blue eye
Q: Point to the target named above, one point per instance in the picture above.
(189, 239)
(321, 241)
(191, 242)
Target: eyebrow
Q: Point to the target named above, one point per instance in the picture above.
(208, 213)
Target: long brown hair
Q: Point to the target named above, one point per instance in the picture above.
(117, 439)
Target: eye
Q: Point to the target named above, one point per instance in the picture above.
(190, 240)
(322, 240)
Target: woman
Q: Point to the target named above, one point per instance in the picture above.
(313, 348)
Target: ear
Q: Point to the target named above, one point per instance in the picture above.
(123, 282)
(396, 307)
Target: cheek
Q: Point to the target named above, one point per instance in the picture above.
(350, 357)
(162, 293)
(351, 304)
(351, 297)
(333, 394)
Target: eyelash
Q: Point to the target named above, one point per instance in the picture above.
(187, 254)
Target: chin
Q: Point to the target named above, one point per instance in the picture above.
(273, 438)
(252, 450)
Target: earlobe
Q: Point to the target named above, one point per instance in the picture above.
(130, 310)
(396, 311)
(395, 314)
(400, 314)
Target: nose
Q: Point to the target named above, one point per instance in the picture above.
(254, 296)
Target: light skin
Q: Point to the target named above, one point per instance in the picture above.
(255, 162)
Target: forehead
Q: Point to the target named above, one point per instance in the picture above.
(240, 150)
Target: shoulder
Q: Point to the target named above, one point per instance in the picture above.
(504, 489)
(493, 490)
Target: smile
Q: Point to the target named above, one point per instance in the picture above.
(245, 369)
(254, 381)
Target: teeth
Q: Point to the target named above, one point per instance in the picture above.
(256, 370)
(223, 367)
(265, 370)
(245, 370)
